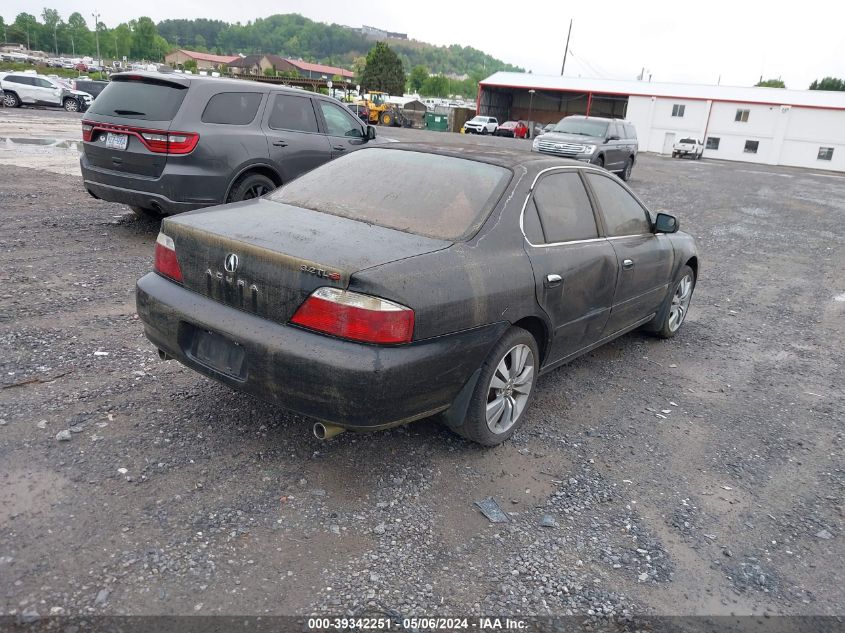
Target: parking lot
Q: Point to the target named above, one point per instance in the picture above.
(699, 475)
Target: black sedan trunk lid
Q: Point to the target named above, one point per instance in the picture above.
(266, 257)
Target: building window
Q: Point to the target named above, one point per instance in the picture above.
(712, 142)
(742, 116)
(825, 153)
(751, 147)
(678, 109)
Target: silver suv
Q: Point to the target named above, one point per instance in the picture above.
(31, 89)
(608, 143)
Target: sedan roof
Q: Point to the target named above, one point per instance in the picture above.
(504, 157)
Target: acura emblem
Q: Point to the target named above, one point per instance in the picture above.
(231, 264)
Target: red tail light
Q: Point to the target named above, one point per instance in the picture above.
(165, 258)
(169, 142)
(157, 141)
(356, 316)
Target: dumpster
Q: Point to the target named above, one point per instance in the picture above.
(437, 122)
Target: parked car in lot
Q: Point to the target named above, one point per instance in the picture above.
(688, 146)
(514, 129)
(367, 302)
(94, 88)
(608, 143)
(480, 125)
(31, 89)
(167, 143)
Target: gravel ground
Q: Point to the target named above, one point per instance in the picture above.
(700, 475)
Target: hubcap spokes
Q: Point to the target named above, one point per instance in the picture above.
(509, 388)
(680, 303)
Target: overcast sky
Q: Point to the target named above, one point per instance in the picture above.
(675, 41)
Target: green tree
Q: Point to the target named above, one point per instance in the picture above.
(770, 83)
(437, 86)
(191, 65)
(144, 42)
(81, 39)
(384, 70)
(416, 79)
(26, 30)
(270, 72)
(828, 83)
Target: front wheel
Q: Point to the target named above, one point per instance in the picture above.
(626, 173)
(71, 105)
(504, 390)
(600, 161)
(484, 131)
(678, 303)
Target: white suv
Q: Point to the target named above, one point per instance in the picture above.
(481, 125)
(31, 89)
(689, 146)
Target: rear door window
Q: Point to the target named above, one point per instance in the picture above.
(146, 100)
(292, 112)
(232, 108)
(564, 209)
(623, 215)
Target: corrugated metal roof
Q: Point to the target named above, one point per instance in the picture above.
(738, 94)
(208, 57)
(320, 68)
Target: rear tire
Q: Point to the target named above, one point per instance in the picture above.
(10, 100)
(71, 105)
(250, 186)
(600, 162)
(147, 214)
(504, 390)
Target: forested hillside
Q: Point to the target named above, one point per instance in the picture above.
(293, 35)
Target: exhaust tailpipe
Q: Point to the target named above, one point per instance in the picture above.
(326, 431)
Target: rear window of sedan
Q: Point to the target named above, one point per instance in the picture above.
(425, 194)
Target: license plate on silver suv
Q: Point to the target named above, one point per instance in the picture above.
(116, 141)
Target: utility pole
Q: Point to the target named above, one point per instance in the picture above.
(72, 46)
(56, 38)
(97, 34)
(566, 50)
(530, 108)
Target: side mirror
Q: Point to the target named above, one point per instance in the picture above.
(371, 133)
(612, 138)
(665, 223)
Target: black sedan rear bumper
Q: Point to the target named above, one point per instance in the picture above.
(342, 382)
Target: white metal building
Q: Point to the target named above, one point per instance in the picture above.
(775, 126)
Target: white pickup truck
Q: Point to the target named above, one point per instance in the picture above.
(689, 146)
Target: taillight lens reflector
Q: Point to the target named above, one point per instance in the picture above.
(165, 258)
(87, 131)
(170, 143)
(356, 316)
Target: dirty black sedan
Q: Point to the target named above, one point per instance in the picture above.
(398, 283)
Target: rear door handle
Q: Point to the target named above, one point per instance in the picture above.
(628, 264)
(280, 143)
(553, 281)
(340, 148)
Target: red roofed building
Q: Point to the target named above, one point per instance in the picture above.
(308, 70)
(205, 61)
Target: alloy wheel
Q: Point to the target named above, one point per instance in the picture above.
(71, 105)
(680, 303)
(510, 388)
(256, 191)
